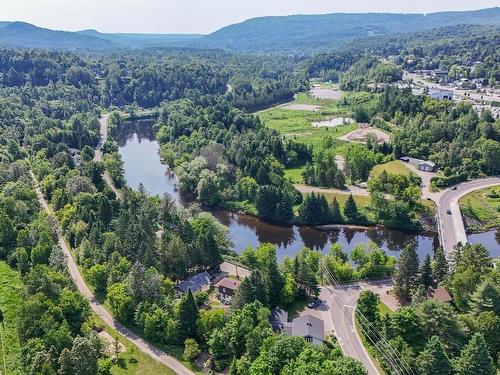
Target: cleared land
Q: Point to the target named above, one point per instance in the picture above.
(301, 107)
(10, 298)
(360, 135)
(298, 124)
(481, 209)
(392, 167)
(325, 92)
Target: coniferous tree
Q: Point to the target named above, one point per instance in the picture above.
(335, 212)
(433, 359)
(425, 278)
(252, 288)
(350, 209)
(439, 266)
(406, 274)
(474, 358)
(188, 316)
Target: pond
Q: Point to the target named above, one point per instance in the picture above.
(142, 164)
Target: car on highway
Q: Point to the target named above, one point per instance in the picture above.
(448, 212)
(314, 304)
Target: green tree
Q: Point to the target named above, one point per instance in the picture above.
(121, 301)
(439, 266)
(351, 209)
(188, 316)
(425, 273)
(433, 359)
(84, 355)
(335, 212)
(191, 350)
(475, 359)
(406, 274)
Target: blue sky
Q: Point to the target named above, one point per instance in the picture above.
(198, 16)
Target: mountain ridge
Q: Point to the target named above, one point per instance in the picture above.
(272, 34)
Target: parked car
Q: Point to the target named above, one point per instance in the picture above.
(448, 212)
(454, 188)
(314, 304)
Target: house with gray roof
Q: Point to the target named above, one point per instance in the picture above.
(198, 283)
(307, 326)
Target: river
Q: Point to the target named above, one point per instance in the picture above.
(142, 164)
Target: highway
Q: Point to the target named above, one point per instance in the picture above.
(452, 229)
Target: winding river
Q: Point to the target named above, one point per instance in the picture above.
(139, 151)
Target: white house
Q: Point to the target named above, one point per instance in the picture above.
(426, 166)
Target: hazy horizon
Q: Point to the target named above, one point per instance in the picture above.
(197, 16)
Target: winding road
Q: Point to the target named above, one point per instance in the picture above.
(99, 309)
(79, 281)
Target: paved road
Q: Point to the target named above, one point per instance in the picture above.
(452, 230)
(340, 307)
(99, 309)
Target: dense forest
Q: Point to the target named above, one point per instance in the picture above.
(133, 248)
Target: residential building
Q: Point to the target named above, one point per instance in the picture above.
(198, 283)
(226, 288)
(306, 326)
(440, 294)
(441, 94)
(426, 166)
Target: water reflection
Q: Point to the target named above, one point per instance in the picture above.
(490, 239)
(142, 164)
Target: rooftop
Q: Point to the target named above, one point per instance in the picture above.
(441, 294)
(308, 325)
(229, 283)
(196, 283)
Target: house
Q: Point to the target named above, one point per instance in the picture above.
(441, 94)
(439, 73)
(198, 283)
(306, 326)
(226, 288)
(426, 166)
(440, 294)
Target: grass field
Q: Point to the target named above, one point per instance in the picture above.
(393, 167)
(294, 174)
(483, 207)
(10, 298)
(361, 200)
(297, 124)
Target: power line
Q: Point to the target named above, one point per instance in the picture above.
(390, 353)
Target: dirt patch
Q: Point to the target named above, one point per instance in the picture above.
(110, 341)
(361, 135)
(325, 93)
(302, 107)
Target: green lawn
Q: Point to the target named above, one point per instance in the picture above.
(298, 124)
(393, 167)
(295, 175)
(383, 309)
(361, 200)
(483, 207)
(132, 361)
(10, 298)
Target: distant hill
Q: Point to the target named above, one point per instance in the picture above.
(21, 34)
(290, 34)
(317, 32)
(131, 40)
